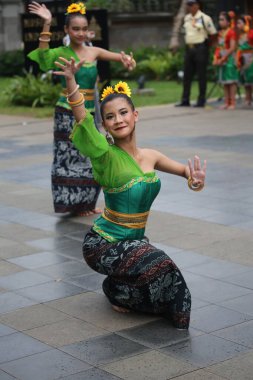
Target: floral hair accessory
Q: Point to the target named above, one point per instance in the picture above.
(119, 88)
(247, 19)
(76, 8)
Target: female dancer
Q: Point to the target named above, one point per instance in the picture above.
(140, 277)
(245, 56)
(73, 187)
(224, 58)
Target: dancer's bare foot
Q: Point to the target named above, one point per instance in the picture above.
(120, 309)
(89, 213)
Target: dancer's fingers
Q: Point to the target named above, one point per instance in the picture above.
(60, 65)
(204, 166)
(190, 167)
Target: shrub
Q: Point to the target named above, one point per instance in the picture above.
(12, 63)
(33, 91)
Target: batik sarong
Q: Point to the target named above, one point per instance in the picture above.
(140, 277)
(73, 187)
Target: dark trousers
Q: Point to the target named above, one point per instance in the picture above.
(196, 61)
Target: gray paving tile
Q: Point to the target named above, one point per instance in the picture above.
(49, 365)
(19, 345)
(211, 290)
(204, 350)
(244, 279)
(54, 243)
(92, 374)
(201, 375)
(104, 349)
(149, 366)
(91, 281)
(5, 376)
(67, 331)
(240, 367)
(11, 301)
(38, 260)
(243, 304)
(157, 334)
(197, 304)
(219, 269)
(5, 330)
(66, 270)
(241, 333)
(50, 291)
(211, 318)
(31, 317)
(23, 279)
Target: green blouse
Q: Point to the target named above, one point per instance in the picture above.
(127, 189)
(86, 77)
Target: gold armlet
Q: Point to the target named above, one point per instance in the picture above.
(193, 187)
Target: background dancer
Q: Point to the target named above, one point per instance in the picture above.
(73, 187)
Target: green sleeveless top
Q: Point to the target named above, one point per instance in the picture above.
(86, 77)
(127, 189)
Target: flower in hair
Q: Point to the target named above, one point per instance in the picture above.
(123, 88)
(119, 88)
(107, 91)
(76, 8)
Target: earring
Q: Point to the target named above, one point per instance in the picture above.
(109, 138)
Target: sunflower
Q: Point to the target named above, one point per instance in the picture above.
(107, 91)
(83, 8)
(123, 88)
(74, 8)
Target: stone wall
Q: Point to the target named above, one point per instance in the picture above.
(10, 28)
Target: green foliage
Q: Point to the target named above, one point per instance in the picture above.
(32, 91)
(12, 63)
(110, 5)
(154, 63)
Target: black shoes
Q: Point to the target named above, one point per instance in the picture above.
(183, 104)
(199, 105)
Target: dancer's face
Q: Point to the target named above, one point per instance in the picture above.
(77, 30)
(119, 119)
(223, 22)
(240, 25)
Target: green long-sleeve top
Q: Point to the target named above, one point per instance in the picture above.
(127, 189)
(86, 77)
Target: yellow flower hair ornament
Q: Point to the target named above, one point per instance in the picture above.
(76, 8)
(119, 88)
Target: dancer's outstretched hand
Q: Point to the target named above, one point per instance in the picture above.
(128, 60)
(69, 68)
(40, 10)
(197, 173)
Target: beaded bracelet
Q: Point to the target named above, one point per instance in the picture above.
(42, 40)
(76, 102)
(193, 187)
(73, 92)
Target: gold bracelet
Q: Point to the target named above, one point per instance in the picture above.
(46, 34)
(79, 104)
(41, 40)
(73, 92)
(76, 101)
(193, 187)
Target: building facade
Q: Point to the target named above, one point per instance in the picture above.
(148, 23)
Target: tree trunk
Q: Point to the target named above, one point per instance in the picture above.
(177, 23)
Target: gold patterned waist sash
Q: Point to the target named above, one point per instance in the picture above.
(137, 221)
(88, 93)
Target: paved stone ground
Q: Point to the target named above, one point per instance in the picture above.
(54, 320)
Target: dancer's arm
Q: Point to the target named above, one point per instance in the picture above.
(69, 68)
(195, 171)
(44, 13)
(127, 60)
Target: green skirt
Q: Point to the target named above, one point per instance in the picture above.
(228, 73)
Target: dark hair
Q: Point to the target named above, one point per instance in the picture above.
(112, 97)
(229, 16)
(70, 17)
(245, 19)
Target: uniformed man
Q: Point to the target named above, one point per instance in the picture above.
(198, 27)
